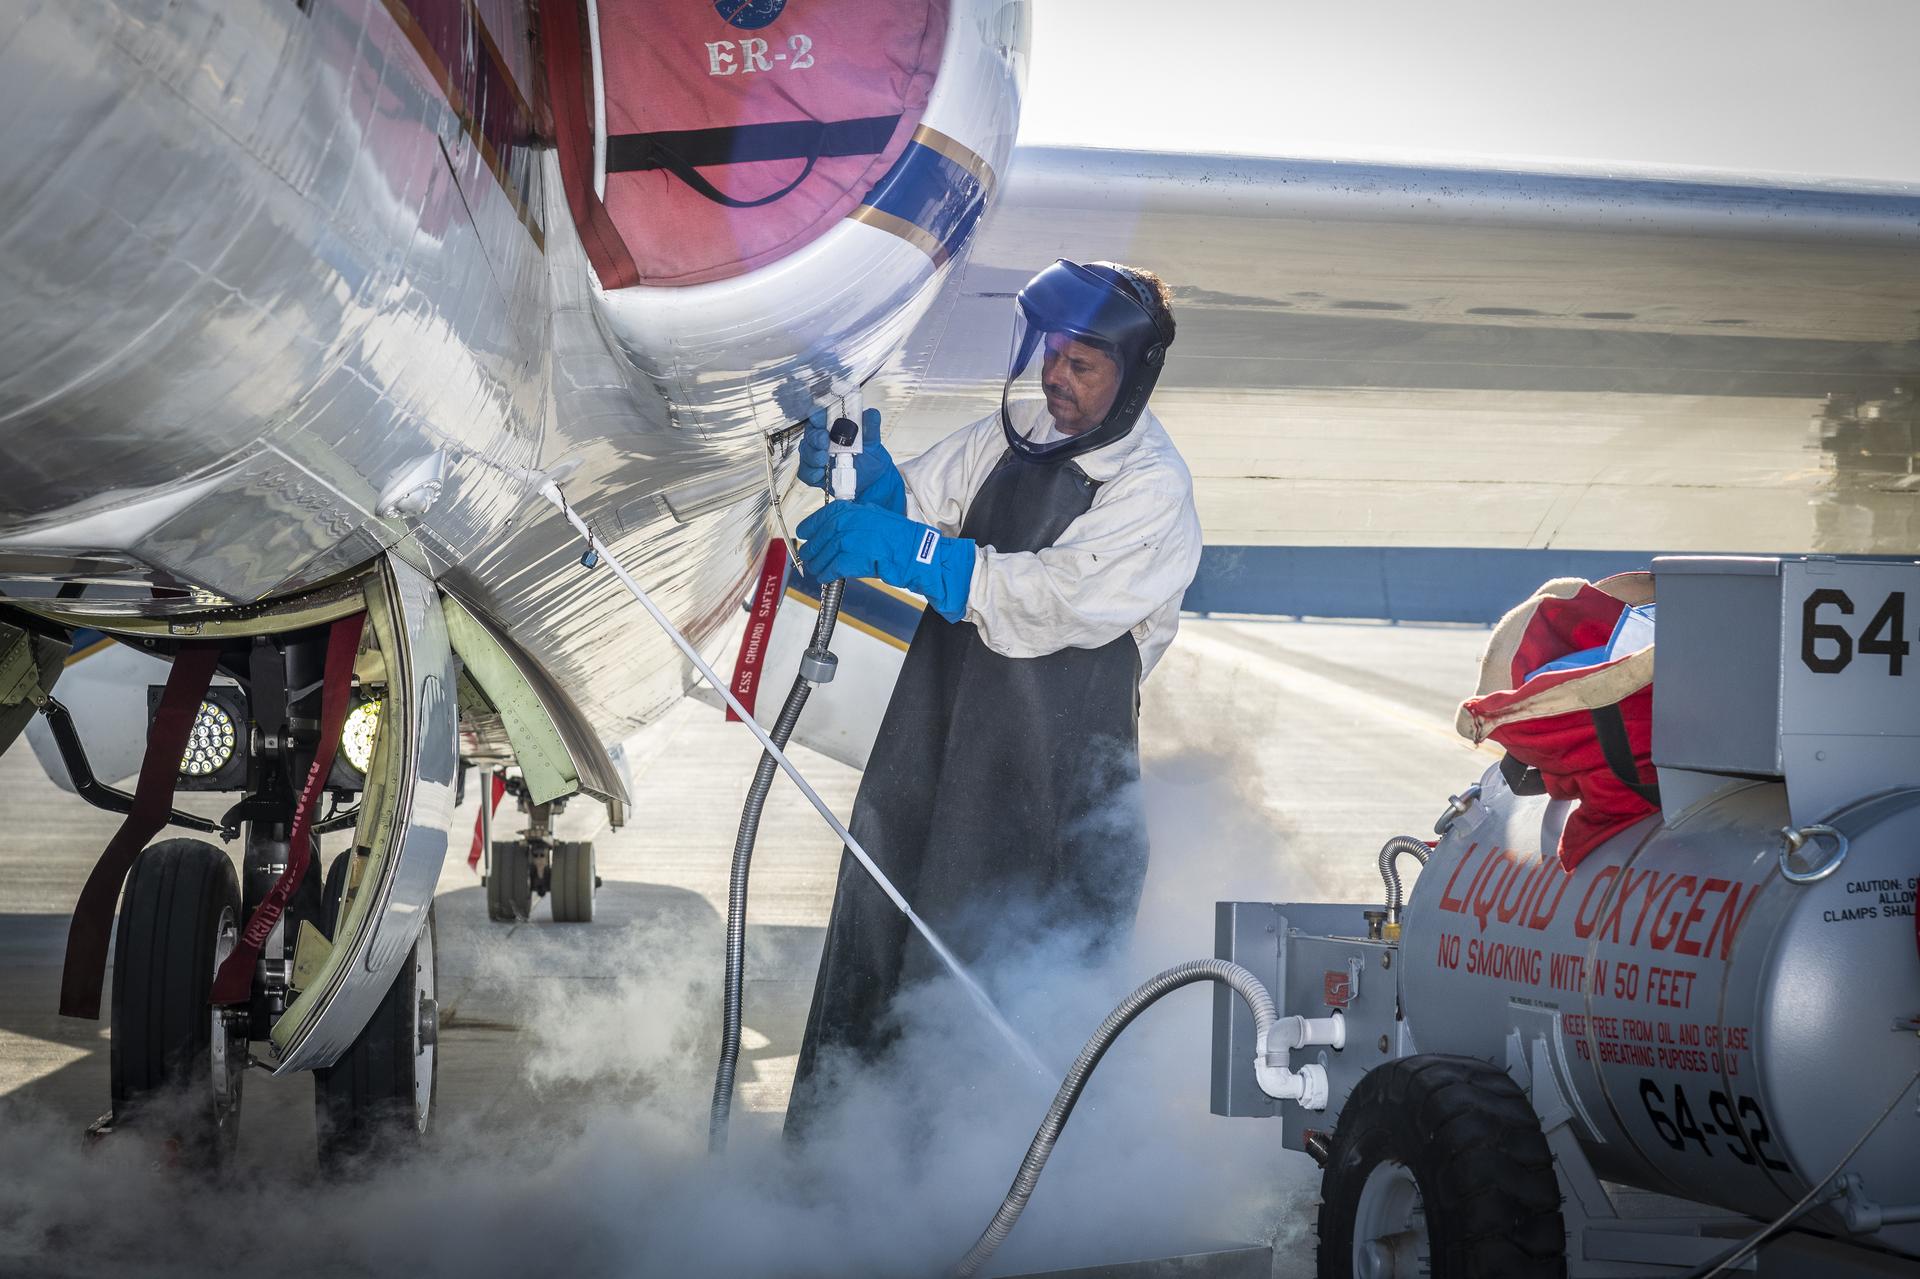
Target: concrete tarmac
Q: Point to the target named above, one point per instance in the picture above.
(1288, 750)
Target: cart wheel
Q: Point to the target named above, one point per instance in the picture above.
(1439, 1168)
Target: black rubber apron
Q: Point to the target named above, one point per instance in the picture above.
(1000, 796)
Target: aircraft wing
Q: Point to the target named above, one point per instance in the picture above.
(1416, 393)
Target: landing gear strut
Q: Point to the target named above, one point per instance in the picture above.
(178, 1058)
(537, 865)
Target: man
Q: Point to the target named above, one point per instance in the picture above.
(1053, 542)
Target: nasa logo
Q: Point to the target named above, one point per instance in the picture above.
(749, 15)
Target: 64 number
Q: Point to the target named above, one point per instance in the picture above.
(1828, 648)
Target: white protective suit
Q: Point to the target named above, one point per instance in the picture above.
(1124, 565)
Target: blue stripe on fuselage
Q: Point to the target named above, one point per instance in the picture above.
(932, 192)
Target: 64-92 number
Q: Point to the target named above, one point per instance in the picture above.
(1749, 1138)
(1827, 647)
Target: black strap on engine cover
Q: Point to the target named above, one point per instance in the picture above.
(1522, 779)
(683, 151)
(1611, 729)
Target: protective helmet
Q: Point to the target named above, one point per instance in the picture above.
(1086, 353)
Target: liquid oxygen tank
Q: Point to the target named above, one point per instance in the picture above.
(1722, 1034)
(1728, 993)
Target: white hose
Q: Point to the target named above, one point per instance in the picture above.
(551, 492)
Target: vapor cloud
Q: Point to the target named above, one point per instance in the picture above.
(901, 1174)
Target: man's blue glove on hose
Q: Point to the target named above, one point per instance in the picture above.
(852, 539)
(877, 480)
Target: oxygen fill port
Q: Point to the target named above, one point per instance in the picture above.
(843, 446)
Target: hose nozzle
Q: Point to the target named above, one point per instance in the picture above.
(843, 446)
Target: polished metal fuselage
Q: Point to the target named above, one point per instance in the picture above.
(261, 261)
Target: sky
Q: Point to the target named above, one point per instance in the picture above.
(1765, 86)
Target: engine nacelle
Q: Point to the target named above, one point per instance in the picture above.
(783, 195)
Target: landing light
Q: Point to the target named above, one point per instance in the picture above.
(209, 743)
(356, 739)
(214, 757)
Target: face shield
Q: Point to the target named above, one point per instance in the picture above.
(1086, 353)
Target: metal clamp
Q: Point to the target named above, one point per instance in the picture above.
(1863, 1215)
(817, 666)
(1795, 840)
(1456, 806)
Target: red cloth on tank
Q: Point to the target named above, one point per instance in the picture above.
(1567, 752)
(685, 66)
(1547, 722)
(1562, 626)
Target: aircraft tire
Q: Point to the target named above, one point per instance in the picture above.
(331, 895)
(378, 1099)
(573, 883)
(510, 883)
(1438, 1167)
(179, 916)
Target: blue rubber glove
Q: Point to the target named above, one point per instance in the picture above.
(852, 539)
(877, 480)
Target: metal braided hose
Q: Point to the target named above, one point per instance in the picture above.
(1242, 981)
(731, 1001)
(1389, 871)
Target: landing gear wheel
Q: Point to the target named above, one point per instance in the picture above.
(331, 895)
(171, 1050)
(573, 883)
(510, 883)
(378, 1098)
(1439, 1168)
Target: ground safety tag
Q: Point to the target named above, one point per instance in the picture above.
(495, 790)
(769, 590)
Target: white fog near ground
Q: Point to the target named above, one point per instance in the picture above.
(1784, 87)
(576, 1061)
(606, 1166)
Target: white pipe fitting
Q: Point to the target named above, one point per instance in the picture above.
(1307, 1086)
(1300, 1032)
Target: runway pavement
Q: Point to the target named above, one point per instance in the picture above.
(1279, 755)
